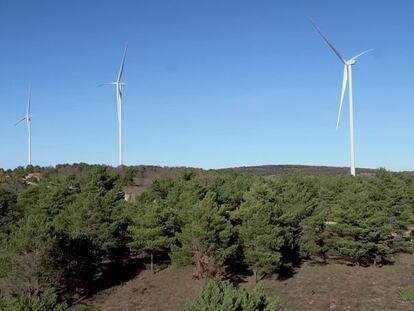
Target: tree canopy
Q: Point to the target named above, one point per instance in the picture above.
(72, 229)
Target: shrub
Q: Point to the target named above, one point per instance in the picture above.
(47, 301)
(224, 296)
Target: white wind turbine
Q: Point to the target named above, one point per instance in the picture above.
(118, 86)
(347, 77)
(28, 119)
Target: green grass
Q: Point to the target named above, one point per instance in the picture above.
(406, 294)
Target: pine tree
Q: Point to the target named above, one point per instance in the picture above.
(151, 230)
(208, 239)
(261, 232)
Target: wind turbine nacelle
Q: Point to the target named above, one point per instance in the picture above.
(352, 62)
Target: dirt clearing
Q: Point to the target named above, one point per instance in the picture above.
(313, 287)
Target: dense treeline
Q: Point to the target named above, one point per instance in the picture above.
(72, 231)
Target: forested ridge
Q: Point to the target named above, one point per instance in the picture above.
(68, 231)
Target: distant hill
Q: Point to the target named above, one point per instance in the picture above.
(270, 170)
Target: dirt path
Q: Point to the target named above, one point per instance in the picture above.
(313, 287)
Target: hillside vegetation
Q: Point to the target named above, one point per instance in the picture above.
(68, 231)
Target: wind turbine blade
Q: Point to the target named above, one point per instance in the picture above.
(360, 54)
(29, 103)
(109, 83)
(121, 69)
(21, 121)
(119, 95)
(344, 82)
(328, 42)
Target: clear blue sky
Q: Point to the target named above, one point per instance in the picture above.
(208, 83)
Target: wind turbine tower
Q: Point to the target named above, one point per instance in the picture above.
(28, 119)
(346, 77)
(118, 87)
